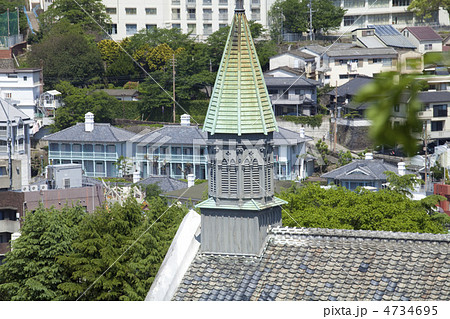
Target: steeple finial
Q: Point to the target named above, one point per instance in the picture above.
(239, 6)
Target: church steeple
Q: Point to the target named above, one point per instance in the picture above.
(240, 103)
(240, 125)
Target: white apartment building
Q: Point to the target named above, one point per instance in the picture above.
(22, 88)
(201, 17)
(361, 13)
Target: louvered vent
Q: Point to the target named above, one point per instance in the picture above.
(247, 180)
(233, 178)
(225, 179)
(256, 185)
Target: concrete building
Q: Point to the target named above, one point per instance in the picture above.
(201, 17)
(434, 113)
(49, 101)
(361, 13)
(15, 165)
(339, 66)
(22, 88)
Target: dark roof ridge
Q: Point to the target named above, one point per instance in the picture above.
(363, 234)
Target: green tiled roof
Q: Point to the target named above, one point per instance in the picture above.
(240, 103)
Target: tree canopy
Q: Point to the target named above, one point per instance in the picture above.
(63, 255)
(313, 206)
(293, 16)
(89, 14)
(425, 8)
(67, 53)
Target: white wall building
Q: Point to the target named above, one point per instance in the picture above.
(361, 13)
(22, 88)
(202, 17)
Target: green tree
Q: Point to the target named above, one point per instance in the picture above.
(293, 16)
(108, 240)
(403, 184)
(89, 14)
(67, 54)
(425, 8)
(31, 271)
(313, 206)
(344, 158)
(77, 102)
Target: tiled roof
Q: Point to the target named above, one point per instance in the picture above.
(391, 36)
(289, 81)
(190, 135)
(326, 264)
(297, 53)
(102, 133)
(240, 103)
(166, 183)
(318, 49)
(351, 52)
(424, 33)
(351, 87)
(8, 111)
(174, 135)
(362, 170)
(294, 72)
(434, 96)
(120, 92)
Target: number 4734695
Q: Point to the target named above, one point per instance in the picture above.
(412, 310)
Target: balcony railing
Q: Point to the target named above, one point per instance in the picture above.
(96, 174)
(191, 3)
(256, 16)
(83, 155)
(191, 16)
(283, 98)
(207, 16)
(3, 133)
(175, 2)
(176, 16)
(207, 2)
(223, 2)
(223, 16)
(9, 226)
(168, 158)
(3, 149)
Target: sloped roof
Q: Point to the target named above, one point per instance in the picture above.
(434, 96)
(174, 134)
(297, 53)
(318, 49)
(8, 111)
(355, 51)
(424, 33)
(294, 72)
(289, 81)
(391, 36)
(166, 183)
(362, 170)
(326, 264)
(240, 103)
(120, 92)
(371, 42)
(103, 132)
(351, 87)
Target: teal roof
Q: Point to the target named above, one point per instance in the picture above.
(248, 205)
(240, 103)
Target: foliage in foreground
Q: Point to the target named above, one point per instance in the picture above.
(313, 206)
(61, 254)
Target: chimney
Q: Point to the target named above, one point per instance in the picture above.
(302, 132)
(136, 177)
(368, 156)
(89, 122)
(185, 120)
(401, 169)
(191, 180)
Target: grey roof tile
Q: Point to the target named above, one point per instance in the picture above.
(339, 278)
(102, 133)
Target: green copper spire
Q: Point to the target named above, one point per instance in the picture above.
(240, 103)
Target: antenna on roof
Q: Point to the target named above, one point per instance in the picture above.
(239, 6)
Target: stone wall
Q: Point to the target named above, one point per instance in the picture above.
(354, 138)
